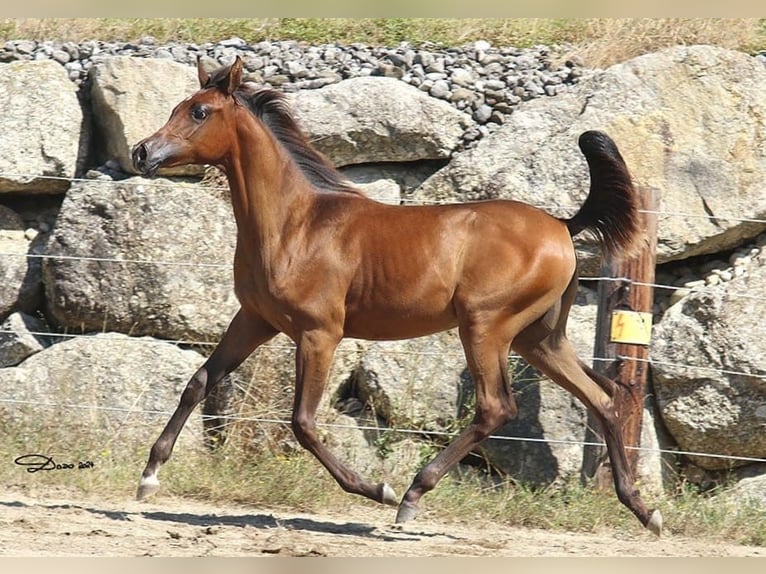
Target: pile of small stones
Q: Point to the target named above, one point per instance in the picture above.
(477, 78)
(484, 81)
(715, 271)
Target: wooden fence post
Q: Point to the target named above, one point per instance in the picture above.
(623, 329)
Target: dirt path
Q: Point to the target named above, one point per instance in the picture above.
(65, 525)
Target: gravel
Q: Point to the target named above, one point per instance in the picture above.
(483, 81)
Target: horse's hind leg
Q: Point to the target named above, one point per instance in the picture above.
(244, 334)
(487, 356)
(314, 356)
(554, 356)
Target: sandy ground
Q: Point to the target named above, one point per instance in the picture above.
(68, 525)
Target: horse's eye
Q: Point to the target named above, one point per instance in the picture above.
(199, 113)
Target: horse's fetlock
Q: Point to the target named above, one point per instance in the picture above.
(425, 480)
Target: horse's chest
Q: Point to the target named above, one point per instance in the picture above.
(258, 290)
(281, 294)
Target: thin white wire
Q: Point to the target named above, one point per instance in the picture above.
(276, 346)
(671, 287)
(404, 200)
(684, 366)
(266, 420)
(410, 200)
(117, 260)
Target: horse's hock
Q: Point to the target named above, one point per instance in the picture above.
(688, 121)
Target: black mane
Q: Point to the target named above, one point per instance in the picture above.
(271, 107)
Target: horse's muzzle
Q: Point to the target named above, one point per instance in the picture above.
(143, 161)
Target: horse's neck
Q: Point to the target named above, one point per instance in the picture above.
(266, 187)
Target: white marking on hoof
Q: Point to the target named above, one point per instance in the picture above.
(655, 523)
(406, 512)
(147, 486)
(389, 496)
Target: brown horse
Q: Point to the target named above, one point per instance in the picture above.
(319, 261)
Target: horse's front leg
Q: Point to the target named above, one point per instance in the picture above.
(244, 334)
(314, 357)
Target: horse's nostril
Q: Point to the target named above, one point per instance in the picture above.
(139, 155)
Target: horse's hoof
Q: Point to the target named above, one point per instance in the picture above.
(147, 486)
(655, 523)
(406, 512)
(388, 496)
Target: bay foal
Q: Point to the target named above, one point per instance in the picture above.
(319, 261)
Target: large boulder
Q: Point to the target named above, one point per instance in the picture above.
(378, 119)
(177, 243)
(390, 182)
(749, 490)
(709, 371)
(132, 98)
(417, 384)
(42, 127)
(689, 121)
(119, 388)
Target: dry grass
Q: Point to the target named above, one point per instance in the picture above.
(258, 460)
(608, 41)
(598, 42)
(231, 476)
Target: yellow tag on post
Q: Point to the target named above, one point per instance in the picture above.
(631, 327)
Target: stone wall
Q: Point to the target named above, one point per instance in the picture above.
(89, 248)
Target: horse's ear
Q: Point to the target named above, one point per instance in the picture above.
(203, 76)
(234, 77)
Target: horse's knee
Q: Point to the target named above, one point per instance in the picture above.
(195, 389)
(303, 428)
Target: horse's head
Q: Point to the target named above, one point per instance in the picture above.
(200, 128)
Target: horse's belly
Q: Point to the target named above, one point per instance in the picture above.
(393, 324)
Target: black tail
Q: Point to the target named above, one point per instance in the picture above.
(611, 209)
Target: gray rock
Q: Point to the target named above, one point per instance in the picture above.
(381, 177)
(129, 386)
(462, 77)
(133, 97)
(672, 114)
(20, 338)
(749, 490)
(41, 133)
(416, 384)
(440, 90)
(185, 235)
(21, 288)
(709, 371)
(482, 114)
(378, 119)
